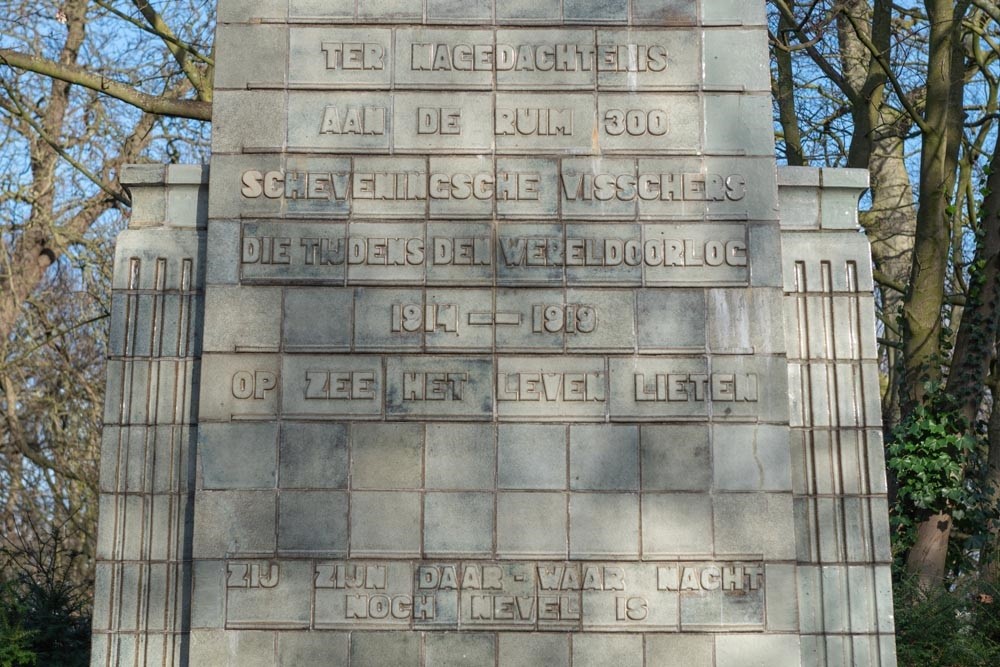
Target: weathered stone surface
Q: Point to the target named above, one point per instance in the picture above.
(495, 339)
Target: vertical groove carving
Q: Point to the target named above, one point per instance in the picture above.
(841, 563)
(144, 545)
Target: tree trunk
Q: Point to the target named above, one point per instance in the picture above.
(922, 309)
(929, 554)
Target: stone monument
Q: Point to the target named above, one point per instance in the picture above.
(493, 337)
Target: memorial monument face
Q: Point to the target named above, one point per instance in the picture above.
(493, 336)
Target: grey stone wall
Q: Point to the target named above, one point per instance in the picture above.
(513, 353)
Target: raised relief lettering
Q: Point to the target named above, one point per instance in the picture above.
(538, 122)
(354, 55)
(389, 251)
(684, 387)
(476, 251)
(550, 387)
(548, 57)
(724, 578)
(253, 384)
(389, 186)
(439, 120)
(253, 575)
(351, 576)
(631, 609)
(295, 185)
(553, 251)
(650, 187)
(322, 251)
(434, 386)
(411, 317)
(329, 385)
(266, 250)
(571, 318)
(635, 122)
(353, 120)
(514, 595)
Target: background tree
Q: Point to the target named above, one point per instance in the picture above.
(85, 87)
(908, 91)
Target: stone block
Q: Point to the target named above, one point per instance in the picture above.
(754, 524)
(242, 319)
(414, 58)
(648, 122)
(208, 593)
(512, 266)
(234, 522)
(423, 125)
(470, 307)
(286, 601)
(458, 11)
(266, 68)
(667, 650)
(385, 524)
(781, 594)
(387, 456)
(737, 124)
(599, 320)
(377, 649)
(531, 456)
(245, 119)
(238, 456)
(665, 12)
(312, 456)
(222, 251)
(452, 649)
(244, 385)
(671, 320)
(378, 317)
(604, 458)
(598, 650)
(524, 11)
(740, 320)
(390, 10)
(233, 11)
(747, 72)
(676, 458)
(531, 525)
(332, 386)
(448, 239)
(313, 648)
(226, 648)
(676, 525)
(527, 188)
(425, 387)
(459, 456)
(603, 525)
(592, 243)
(595, 11)
(751, 458)
(458, 524)
(310, 521)
(533, 650)
(307, 327)
(547, 123)
(757, 650)
(733, 12)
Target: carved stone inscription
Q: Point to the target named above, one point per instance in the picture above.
(506, 595)
(346, 58)
(418, 253)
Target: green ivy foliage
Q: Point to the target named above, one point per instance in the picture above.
(936, 459)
